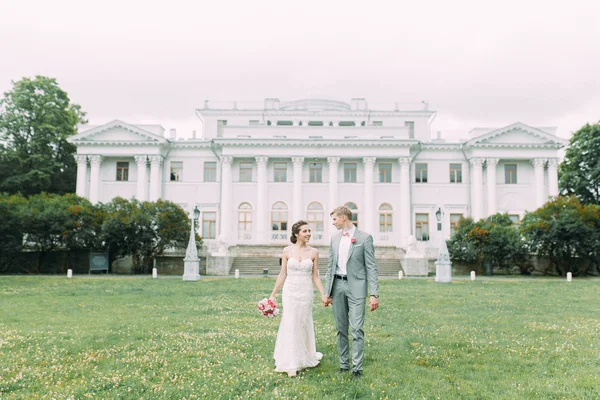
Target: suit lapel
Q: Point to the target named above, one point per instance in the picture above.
(352, 244)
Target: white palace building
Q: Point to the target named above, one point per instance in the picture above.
(253, 172)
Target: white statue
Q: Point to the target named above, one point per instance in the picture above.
(412, 251)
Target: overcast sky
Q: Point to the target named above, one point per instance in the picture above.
(477, 63)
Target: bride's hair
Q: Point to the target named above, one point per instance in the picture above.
(296, 229)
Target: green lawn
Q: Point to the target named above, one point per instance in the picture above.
(139, 338)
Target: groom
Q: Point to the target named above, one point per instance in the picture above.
(351, 265)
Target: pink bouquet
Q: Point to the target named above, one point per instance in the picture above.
(268, 308)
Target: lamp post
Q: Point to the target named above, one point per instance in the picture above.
(443, 271)
(191, 262)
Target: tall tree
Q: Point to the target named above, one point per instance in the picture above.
(36, 118)
(580, 169)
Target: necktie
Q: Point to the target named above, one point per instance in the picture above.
(345, 233)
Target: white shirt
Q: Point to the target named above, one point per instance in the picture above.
(343, 250)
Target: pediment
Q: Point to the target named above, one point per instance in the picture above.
(118, 132)
(517, 135)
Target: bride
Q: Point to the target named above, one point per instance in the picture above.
(295, 347)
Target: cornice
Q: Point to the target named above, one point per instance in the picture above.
(440, 146)
(237, 142)
(553, 146)
(297, 113)
(127, 143)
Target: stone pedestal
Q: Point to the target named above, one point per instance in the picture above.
(218, 264)
(415, 264)
(191, 269)
(191, 262)
(443, 265)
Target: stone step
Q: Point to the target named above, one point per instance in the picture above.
(256, 266)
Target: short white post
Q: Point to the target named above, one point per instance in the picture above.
(569, 277)
(472, 275)
(69, 273)
(154, 273)
(400, 274)
(237, 274)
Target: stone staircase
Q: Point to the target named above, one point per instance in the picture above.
(255, 266)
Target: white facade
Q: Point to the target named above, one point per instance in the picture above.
(254, 172)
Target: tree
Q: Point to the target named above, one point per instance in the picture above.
(52, 222)
(567, 232)
(143, 230)
(36, 118)
(494, 239)
(580, 170)
(11, 228)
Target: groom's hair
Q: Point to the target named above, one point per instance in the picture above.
(342, 210)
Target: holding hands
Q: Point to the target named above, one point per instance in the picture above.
(326, 300)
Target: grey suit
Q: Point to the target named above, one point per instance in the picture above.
(349, 295)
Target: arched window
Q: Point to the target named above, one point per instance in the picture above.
(354, 209)
(385, 218)
(314, 217)
(245, 221)
(279, 220)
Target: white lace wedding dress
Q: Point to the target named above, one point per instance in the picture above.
(295, 348)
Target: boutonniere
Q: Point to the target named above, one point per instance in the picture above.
(353, 240)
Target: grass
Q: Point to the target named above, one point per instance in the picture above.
(138, 338)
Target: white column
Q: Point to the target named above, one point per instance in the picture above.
(492, 164)
(81, 160)
(553, 177)
(333, 191)
(142, 177)
(155, 178)
(369, 212)
(405, 219)
(95, 163)
(297, 188)
(538, 172)
(261, 222)
(476, 188)
(226, 210)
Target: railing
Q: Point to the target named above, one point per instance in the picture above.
(244, 235)
(279, 235)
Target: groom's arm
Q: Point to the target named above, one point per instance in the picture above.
(371, 264)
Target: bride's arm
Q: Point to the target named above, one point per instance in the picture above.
(282, 275)
(315, 273)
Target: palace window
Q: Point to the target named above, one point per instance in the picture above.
(285, 123)
(510, 173)
(347, 123)
(245, 221)
(210, 171)
(279, 217)
(314, 217)
(123, 171)
(455, 173)
(280, 172)
(354, 209)
(516, 220)
(410, 125)
(422, 226)
(421, 173)
(350, 172)
(385, 172)
(176, 171)
(315, 123)
(245, 172)
(254, 122)
(377, 123)
(385, 218)
(209, 225)
(315, 172)
(454, 219)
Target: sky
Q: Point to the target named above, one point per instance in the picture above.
(477, 63)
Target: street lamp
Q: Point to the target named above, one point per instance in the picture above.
(443, 265)
(191, 262)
